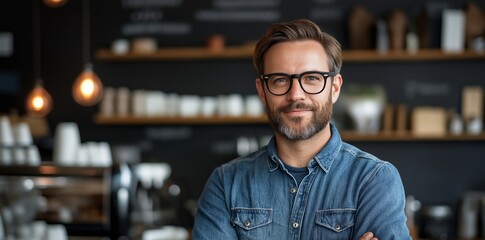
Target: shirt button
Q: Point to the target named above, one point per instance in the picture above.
(295, 225)
(293, 190)
(247, 223)
(337, 227)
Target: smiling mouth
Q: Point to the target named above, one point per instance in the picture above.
(296, 108)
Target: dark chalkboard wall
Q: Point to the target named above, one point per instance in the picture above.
(181, 23)
(434, 172)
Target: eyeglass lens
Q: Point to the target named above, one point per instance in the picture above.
(310, 82)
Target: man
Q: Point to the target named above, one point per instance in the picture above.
(306, 183)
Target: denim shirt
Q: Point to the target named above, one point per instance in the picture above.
(346, 193)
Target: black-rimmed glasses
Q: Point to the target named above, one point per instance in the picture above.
(312, 82)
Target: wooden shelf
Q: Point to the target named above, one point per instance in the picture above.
(52, 169)
(246, 52)
(407, 136)
(176, 120)
(185, 53)
(421, 55)
(346, 135)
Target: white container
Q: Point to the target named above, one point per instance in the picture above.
(173, 104)
(23, 136)
(254, 107)
(6, 156)
(107, 106)
(235, 105)
(120, 46)
(189, 105)
(138, 102)
(19, 155)
(66, 143)
(93, 153)
(123, 101)
(153, 102)
(105, 157)
(82, 155)
(6, 135)
(33, 156)
(209, 106)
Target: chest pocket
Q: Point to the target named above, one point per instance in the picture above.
(252, 223)
(333, 224)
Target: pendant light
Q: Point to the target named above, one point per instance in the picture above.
(39, 101)
(87, 89)
(54, 3)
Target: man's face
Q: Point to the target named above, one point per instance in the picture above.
(298, 115)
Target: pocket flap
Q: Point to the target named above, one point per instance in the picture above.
(336, 219)
(250, 218)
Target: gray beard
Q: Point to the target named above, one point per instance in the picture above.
(320, 119)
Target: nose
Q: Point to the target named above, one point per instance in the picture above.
(296, 93)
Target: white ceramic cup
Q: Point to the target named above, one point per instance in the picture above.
(82, 155)
(93, 153)
(6, 134)
(209, 106)
(23, 136)
(6, 156)
(56, 231)
(189, 105)
(32, 155)
(19, 155)
(138, 102)
(253, 106)
(222, 105)
(235, 105)
(66, 143)
(105, 157)
(107, 106)
(155, 103)
(123, 101)
(173, 104)
(120, 46)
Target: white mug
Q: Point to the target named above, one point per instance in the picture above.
(120, 46)
(6, 135)
(66, 143)
(23, 136)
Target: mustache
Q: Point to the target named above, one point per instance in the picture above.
(295, 106)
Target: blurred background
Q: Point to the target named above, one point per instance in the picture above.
(170, 95)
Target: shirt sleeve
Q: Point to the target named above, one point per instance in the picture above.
(381, 205)
(212, 220)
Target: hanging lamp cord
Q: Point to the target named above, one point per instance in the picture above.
(87, 31)
(36, 42)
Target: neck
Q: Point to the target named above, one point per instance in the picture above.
(299, 153)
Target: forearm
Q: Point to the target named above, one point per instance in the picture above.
(381, 206)
(212, 221)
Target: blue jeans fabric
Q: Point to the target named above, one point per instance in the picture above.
(346, 193)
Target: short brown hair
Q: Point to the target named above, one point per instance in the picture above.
(302, 29)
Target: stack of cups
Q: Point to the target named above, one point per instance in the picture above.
(26, 152)
(16, 144)
(66, 144)
(69, 151)
(6, 141)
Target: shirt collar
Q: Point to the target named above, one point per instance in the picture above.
(324, 158)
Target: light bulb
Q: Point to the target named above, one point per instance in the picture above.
(87, 90)
(39, 102)
(54, 3)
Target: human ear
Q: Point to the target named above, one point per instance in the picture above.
(336, 85)
(260, 89)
